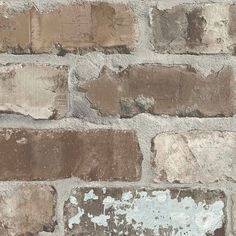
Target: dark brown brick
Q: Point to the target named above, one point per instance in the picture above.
(80, 26)
(27, 210)
(157, 89)
(101, 154)
(148, 212)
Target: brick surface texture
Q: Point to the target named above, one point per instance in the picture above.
(27, 210)
(117, 118)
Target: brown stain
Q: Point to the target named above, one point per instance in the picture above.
(196, 27)
(176, 90)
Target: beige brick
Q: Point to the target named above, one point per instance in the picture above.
(98, 154)
(159, 89)
(188, 28)
(39, 91)
(196, 156)
(144, 211)
(27, 210)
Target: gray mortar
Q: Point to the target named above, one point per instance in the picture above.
(147, 126)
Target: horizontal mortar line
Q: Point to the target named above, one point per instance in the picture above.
(148, 3)
(147, 55)
(7, 120)
(76, 182)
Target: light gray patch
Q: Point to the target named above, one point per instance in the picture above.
(161, 211)
(75, 220)
(101, 220)
(90, 196)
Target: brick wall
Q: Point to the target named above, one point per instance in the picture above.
(117, 118)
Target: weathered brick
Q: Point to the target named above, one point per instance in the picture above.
(196, 156)
(233, 213)
(100, 154)
(27, 210)
(204, 29)
(132, 211)
(158, 89)
(88, 25)
(40, 91)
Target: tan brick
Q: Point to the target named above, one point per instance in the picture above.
(109, 27)
(40, 91)
(27, 210)
(158, 89)
(196, 156)
(100, 154)
(204, 29)
(147, 212)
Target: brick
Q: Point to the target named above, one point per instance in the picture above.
(196, 156)
(234, 213)
(197, 29)
(27, 210)
(69, 28)
(39, 91)
(158, 89)
(98, 154)
(147, 212)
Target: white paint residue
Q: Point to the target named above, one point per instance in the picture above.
(75, 219)
(126, 196)
(22, 141)
(101, 220)
(90, 196)
(73, 200)
(161, 211)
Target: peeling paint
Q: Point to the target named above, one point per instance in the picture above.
(76, 219)
(160, 211)
(90, 196)
(73, 200)
(157, 212)
(101, 220)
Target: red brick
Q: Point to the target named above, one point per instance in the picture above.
(158, 89)
(100, 154)
(80, 26)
